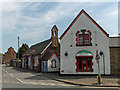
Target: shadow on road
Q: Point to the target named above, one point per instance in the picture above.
(37, 76)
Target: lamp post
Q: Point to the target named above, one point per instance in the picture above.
(101, 53)
(104, 62)
(18, 48)
(97, 58)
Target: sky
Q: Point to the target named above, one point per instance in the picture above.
(32, 21)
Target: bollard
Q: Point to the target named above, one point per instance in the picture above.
(98, 79)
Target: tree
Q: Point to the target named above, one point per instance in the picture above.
(1, 54)
(22, 50)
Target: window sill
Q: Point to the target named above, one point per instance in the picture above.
(85, 71)
(53, 67)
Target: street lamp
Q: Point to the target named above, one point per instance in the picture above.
(97, 58)
(101, 53)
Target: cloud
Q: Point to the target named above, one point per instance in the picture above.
(114, 13)
(33, 25)
(32, 21)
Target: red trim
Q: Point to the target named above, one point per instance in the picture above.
(82, 64)
(78, 39)
(88, 31)
(89, 18)
(56, 54)
(83, 56)
(78, 31)
(91, 64)
(53, 53)
(86, 65)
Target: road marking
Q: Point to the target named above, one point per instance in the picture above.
(33, 83)
(5, 71)
(12, 76)
(19, 80)
(51, 84)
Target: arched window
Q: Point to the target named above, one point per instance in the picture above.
(53, 63)
(84, 61)
(55, 43)
(54, 33)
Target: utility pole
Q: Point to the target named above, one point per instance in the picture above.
(18, 48)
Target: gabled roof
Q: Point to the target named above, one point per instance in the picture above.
(54, 27)
(89, 18)
(38, 48)
(48, 55)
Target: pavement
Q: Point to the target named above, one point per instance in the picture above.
(79, 80)
(108, 81)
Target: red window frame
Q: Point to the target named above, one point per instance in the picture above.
(82, 68)
(83, 43)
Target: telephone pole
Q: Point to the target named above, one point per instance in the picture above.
(18, 47)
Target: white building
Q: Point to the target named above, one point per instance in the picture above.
(82, 43)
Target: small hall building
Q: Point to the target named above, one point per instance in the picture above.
(84, 47)
(44, 56)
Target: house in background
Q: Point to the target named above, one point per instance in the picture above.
(50, 62)
(115, 55)
(43, 56)
(9, 55)
(1, 58)
(84, 47)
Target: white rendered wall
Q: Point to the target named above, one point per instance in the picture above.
(50, 69)
(68, 63)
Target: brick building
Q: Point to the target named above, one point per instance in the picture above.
(115, 55)
(9, 55)
(0, 58)
(44, 56)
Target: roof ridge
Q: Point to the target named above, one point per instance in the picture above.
(41, 42)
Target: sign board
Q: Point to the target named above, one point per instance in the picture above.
(97, 56)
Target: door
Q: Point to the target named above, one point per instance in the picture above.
(44, 66)
(84, 64)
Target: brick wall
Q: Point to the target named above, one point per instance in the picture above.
(9, 55)
(115, 60)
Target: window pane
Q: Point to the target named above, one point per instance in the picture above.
(80, 35)
(84, 67)
(86, 41)
(83, 39)
(81, 43)
(84, 63)
(80, 64)
(86, 36)
(88, 63)
(88, 67)
(53, 63)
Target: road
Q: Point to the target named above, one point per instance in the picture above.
(13, 77)
(21, 78)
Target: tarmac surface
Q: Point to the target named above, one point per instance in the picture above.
(13, 77)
